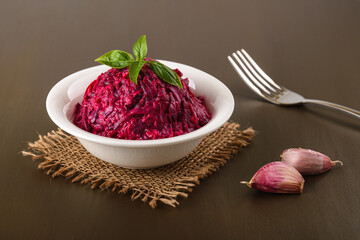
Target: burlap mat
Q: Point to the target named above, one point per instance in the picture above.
(60, 154)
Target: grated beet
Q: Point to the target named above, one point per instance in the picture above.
(115, 107)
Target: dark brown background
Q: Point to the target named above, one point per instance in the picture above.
(309, 46)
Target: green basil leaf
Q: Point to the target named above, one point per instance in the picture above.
(140, 48)
(134, 70)
(116, 59)
(165, 73)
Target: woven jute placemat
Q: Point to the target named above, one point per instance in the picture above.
(60, 154)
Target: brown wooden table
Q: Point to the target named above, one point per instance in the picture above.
(309, 46)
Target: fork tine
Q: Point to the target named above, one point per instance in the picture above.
(261, 72)
(257, 83)
(244, 77)
(256, 75)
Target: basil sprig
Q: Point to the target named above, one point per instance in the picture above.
(121, 59)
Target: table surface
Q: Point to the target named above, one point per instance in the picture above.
(311, 47)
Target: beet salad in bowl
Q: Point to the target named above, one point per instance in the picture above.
(138, 112)
(114, 106)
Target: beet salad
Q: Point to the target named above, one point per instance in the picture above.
(116, 107)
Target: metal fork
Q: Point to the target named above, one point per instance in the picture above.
(265, 87)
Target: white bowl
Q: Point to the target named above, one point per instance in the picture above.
(63, 97)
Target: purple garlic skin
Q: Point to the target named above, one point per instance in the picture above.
(306, 161)
(277, 177)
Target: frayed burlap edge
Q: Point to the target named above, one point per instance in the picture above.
(164, 184)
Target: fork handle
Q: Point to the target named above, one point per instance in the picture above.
(339, 107)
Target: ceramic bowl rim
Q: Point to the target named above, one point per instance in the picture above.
(65, 124)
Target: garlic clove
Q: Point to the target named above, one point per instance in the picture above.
(306, 161)
(277, 177)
